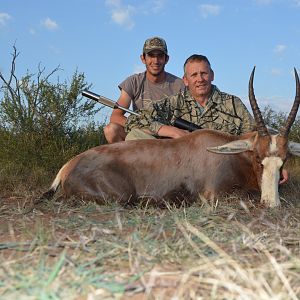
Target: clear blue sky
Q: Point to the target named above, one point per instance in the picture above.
(104, 40)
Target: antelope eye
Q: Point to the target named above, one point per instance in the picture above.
(258, 160)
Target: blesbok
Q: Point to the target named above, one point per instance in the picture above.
(181, 169)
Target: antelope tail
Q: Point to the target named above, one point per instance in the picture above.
(54, 186)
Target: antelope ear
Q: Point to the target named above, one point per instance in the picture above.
(237, 146)
(294, 148)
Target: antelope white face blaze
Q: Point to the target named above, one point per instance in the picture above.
(273, 145)
(269, 182)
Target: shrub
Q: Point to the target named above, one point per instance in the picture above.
(43, 123)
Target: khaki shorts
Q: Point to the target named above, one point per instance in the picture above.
(138, 134)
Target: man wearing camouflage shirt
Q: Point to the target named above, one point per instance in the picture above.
(201, 103)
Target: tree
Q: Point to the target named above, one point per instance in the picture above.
(34, 104)
(44, 122)
(277, 120)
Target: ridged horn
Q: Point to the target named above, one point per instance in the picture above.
(284, 131)
(261, 127)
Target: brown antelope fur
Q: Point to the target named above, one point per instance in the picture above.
(179, 170)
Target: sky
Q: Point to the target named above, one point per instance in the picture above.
(104, 38)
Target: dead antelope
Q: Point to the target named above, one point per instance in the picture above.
(181, 169)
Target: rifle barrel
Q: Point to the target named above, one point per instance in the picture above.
(106, 101)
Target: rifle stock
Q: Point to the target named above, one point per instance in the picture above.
(179, 123)
(186, 125)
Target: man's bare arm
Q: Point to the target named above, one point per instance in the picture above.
(171, 132)
(117, 115)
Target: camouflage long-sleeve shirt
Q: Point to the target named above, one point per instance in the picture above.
(223, 112)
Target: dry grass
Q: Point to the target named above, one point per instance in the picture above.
(230, 249)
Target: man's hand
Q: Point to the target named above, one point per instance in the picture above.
(171, 132)
(284, 176)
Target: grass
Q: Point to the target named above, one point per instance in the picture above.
(78, 250)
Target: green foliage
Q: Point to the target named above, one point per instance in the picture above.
(44, 107)
(43, 123)
(24, 153)
(277, 119)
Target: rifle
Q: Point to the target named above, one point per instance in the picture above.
(179, 123)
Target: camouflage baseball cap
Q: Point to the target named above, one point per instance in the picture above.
(155, 43)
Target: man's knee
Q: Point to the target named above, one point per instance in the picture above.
(138, 134)
(114, 133)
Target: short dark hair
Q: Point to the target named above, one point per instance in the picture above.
(166, 55)
(196, 57)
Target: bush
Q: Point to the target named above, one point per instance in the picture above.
(43, 123)
(277, 120)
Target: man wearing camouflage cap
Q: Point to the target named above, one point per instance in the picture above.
(144, 88)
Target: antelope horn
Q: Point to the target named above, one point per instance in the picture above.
(261, 127)
(284, 131)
